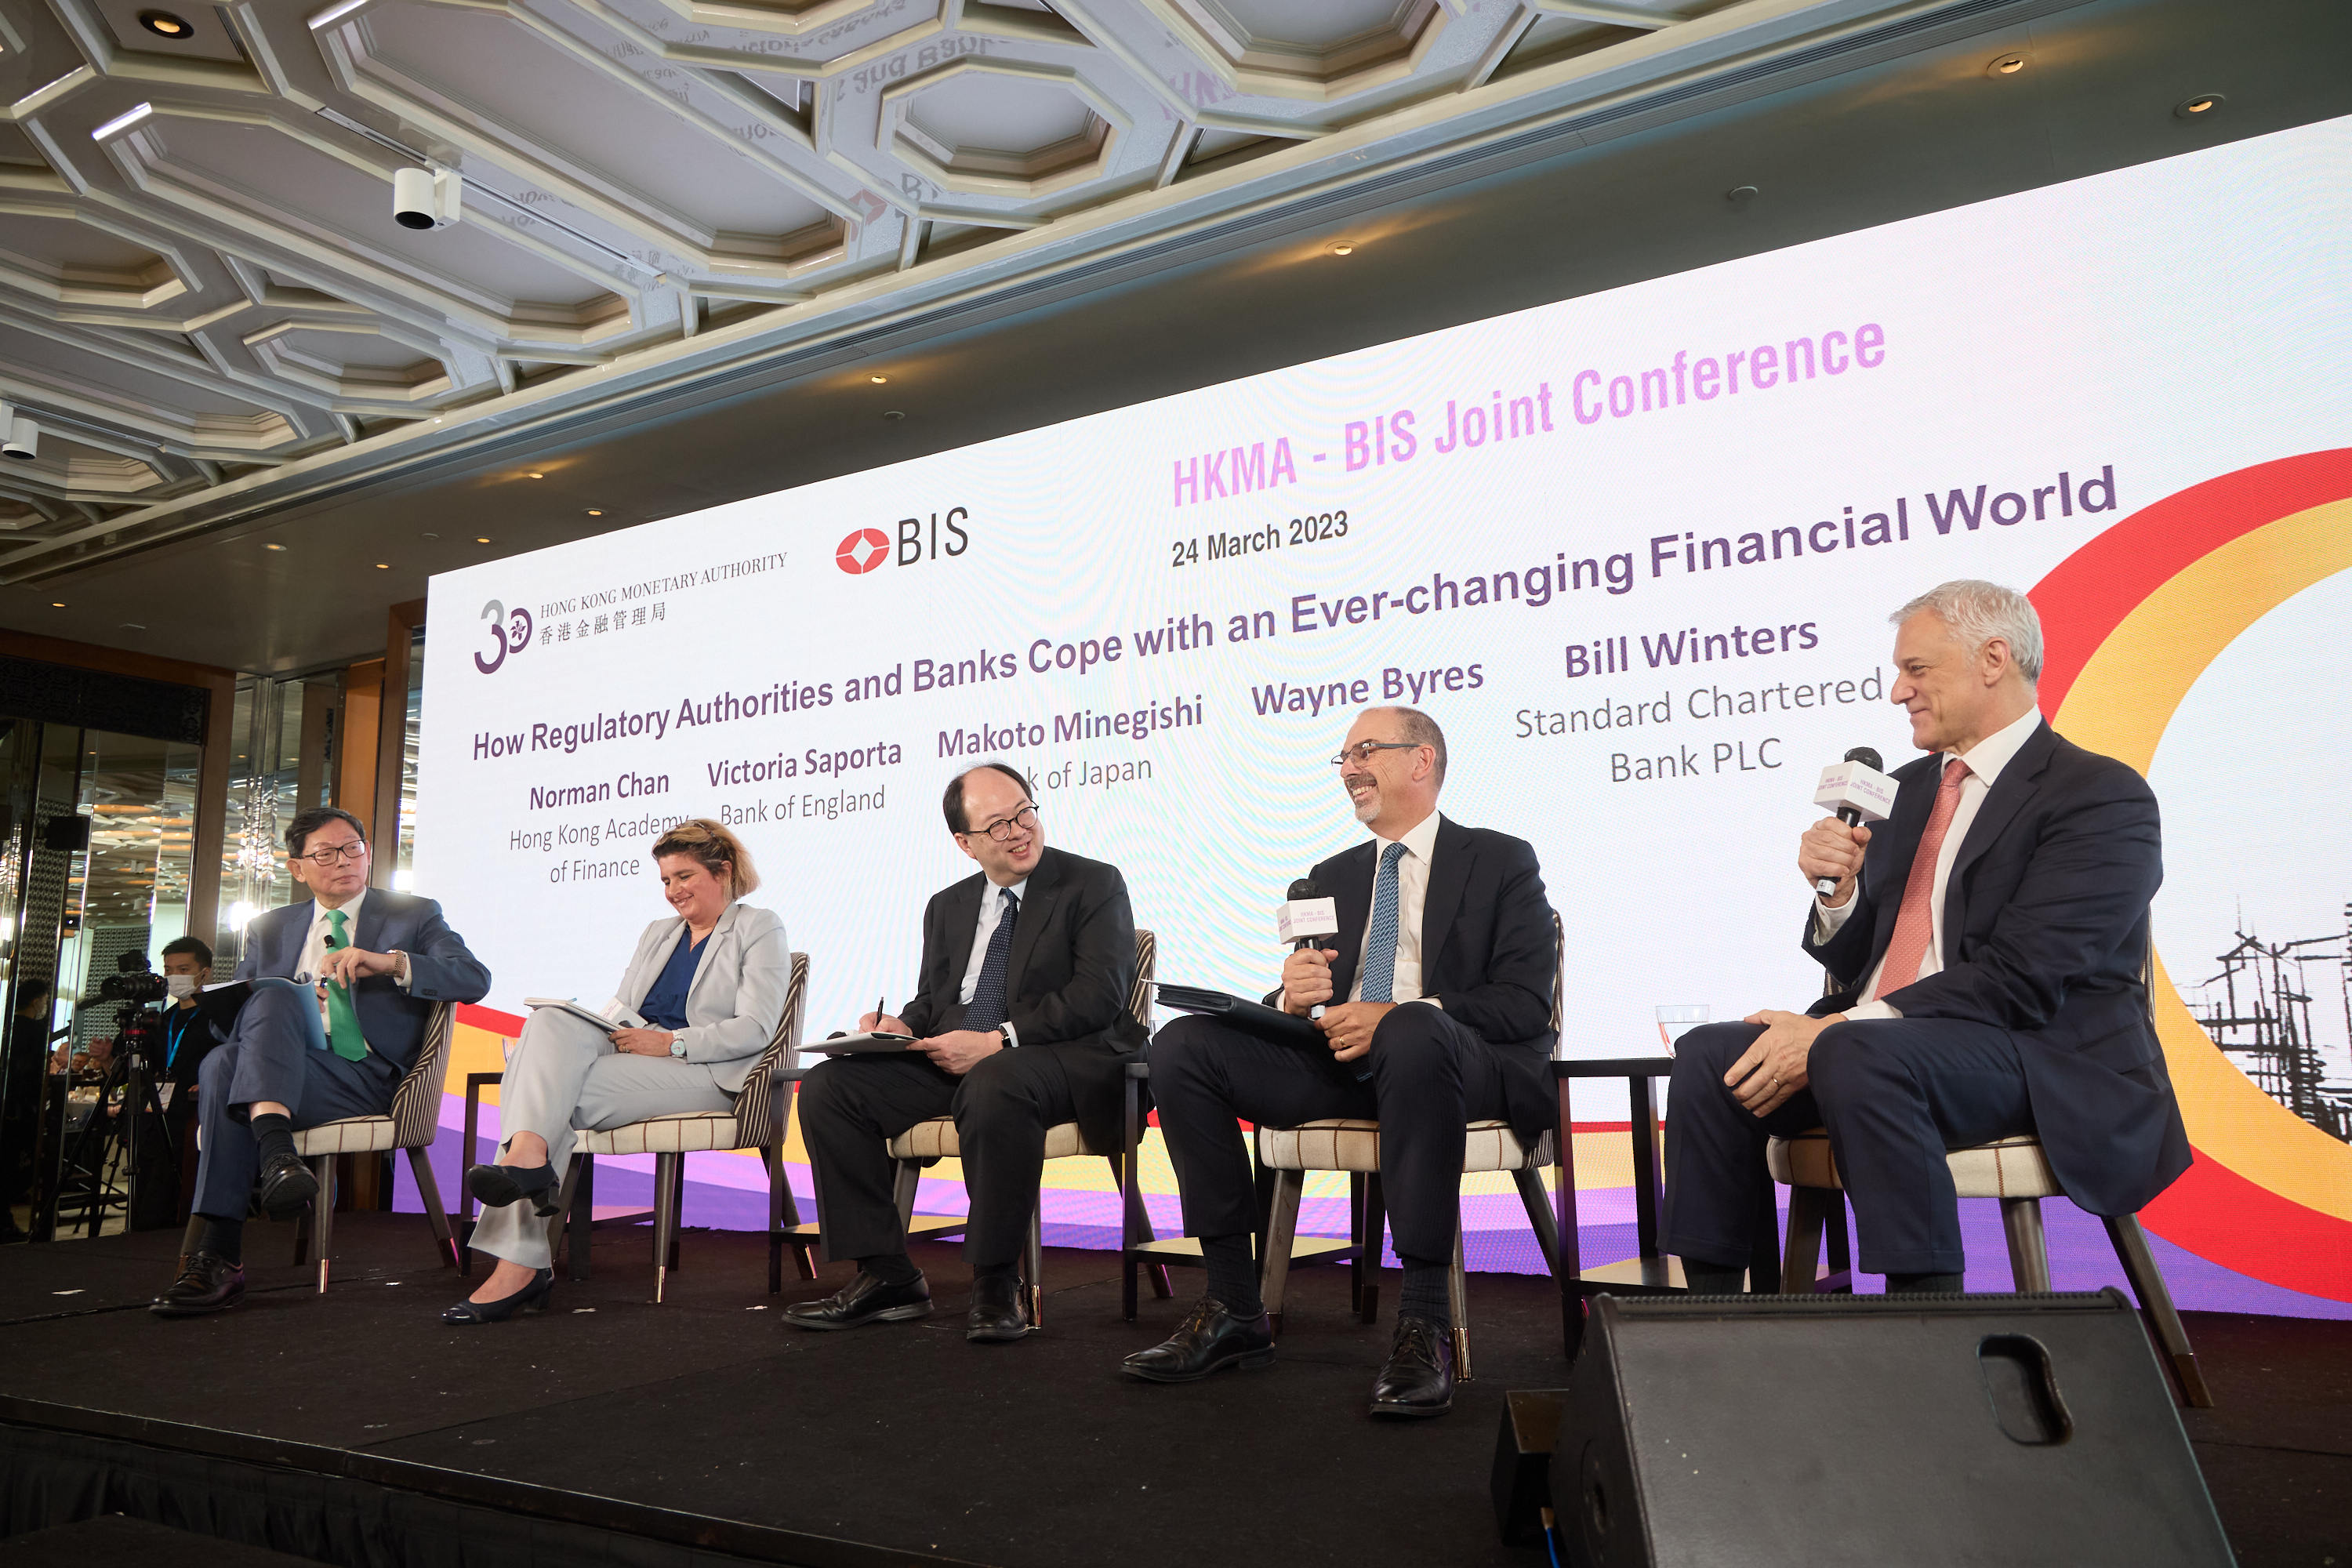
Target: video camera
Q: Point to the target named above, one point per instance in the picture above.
(133, 984)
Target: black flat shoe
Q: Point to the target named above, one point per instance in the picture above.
(1419, 1378)
(286, 1184)
(532, 1297)
(865, 1299)
(499, 1185)
(995, 1316)
(1209, 1340)
(207, 1283)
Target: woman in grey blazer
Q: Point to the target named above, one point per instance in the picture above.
(709, 980)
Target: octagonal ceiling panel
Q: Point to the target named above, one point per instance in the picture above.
(983, 128)
(615, 139)
(354, 364)
(74, 263)
(337, 214)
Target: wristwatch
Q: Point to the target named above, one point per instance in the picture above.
(678, 1047)
(1004, 1033)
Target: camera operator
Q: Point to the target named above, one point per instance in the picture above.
(187, 970)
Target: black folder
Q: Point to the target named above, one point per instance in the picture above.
(1254, 1017)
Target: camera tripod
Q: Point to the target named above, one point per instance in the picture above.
(91, 1152)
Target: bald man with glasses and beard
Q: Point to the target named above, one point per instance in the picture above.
(1436, 1011)
(1022, 1023)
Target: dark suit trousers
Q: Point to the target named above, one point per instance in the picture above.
(1894, 1093)
(1430, 1077)
(852, 1106)
(272, 1056)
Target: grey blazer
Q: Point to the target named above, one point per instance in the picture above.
(737, 996)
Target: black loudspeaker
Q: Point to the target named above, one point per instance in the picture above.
(1813, 1431)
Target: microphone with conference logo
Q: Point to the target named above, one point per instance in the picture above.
(1306, 917)
(1858, 793)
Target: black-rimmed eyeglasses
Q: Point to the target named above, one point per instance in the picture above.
(1361, 751)
(1021, 821)
(334, 853)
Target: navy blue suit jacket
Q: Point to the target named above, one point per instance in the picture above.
(440, 969)
(1486, 949)
(2045, 935)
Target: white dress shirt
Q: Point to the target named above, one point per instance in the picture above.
(1992, 755)
(314, 948)
(991, 910)
(1420, 843)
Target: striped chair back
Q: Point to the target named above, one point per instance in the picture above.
(417, 1103)
(1559, 973)
(758, 1107)
(1146, 958)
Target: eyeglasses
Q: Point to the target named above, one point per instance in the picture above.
(1021, 821)
(335, 853)
(1361, 753)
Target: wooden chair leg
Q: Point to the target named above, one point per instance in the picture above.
(2028, 1251)
(445, 1245)
(323, 1206)
(2156, 1301)
(1281, 1227)
(1373, 1245)
(1032, 1264)
(1808, 1211)
(1540, 1218)
(665, 1219)
(1457, 1289)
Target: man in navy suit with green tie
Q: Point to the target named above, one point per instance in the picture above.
(344, 986)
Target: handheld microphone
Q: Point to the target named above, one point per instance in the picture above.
(1858, 793)
(1308, 916)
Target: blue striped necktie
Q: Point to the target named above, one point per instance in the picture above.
(987, 1009)
(1380, 946)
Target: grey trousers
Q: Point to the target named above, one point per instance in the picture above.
(564, 1078)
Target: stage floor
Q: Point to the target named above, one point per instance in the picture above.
(1038, 1454)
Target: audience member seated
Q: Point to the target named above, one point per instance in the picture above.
(709, 980)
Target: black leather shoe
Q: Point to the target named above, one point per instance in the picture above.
(1210, 1339)
(208, 1283)
(287, 1184)
(865, 1299)
(1419, 1377)
(532, 1297)
(499, 1185)
(995, 1316)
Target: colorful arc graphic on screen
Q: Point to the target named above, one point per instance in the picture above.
(2131, 620)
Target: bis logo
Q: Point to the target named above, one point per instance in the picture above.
(865, 549)
(507, 635)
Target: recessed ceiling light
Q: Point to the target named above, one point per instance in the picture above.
(383, 566)
(1343, 250)
(2204, 103)
(481, 541)
(894, 414)
(535, 476)
(593, 512)
(56, 604)
(2007, 65)
(1741, 193)
(273, 547)
(163, 25)
(879, 380)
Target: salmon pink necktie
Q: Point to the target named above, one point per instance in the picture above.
(1914, 922)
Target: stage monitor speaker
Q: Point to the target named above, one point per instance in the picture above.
(1817, 1431)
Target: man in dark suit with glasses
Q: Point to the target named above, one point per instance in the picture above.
(1435, 1000)
(345, 985)
(1022, 1023)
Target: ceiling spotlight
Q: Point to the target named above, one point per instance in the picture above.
(481, 541)
(427, 198)
(1741, 193)
(273, 547)
(2204, 103)
(894, 414)
(20, 437)
(879, 380)
(56, 604)
(593, 512)
(2007, 65)
(163, 25)
(1343, 250)
(535, 476)
(383, 566)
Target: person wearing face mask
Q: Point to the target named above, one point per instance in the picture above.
(188, 1038)
(710, 980)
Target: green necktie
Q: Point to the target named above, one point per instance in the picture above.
(342, 1018)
